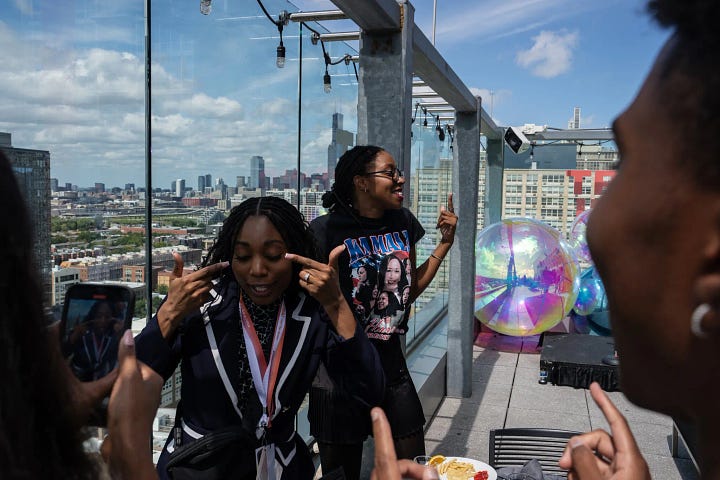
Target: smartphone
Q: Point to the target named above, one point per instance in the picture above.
(93, 320)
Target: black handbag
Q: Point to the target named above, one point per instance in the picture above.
(222, 454)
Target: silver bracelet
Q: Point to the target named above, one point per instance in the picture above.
(436, 257)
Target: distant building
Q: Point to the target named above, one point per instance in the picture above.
(554, 196)
(341, 141)
(136, 273)
(201, 183)
(54, 184)
(99, 187)
(180, 187)
(32, 170)
(575, 121)
(257, 172)
(62, 279)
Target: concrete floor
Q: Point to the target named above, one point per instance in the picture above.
(506, 393)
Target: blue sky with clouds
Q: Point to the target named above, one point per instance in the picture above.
(72, 78)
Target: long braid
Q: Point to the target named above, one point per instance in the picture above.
(353, 162)
(288, 221)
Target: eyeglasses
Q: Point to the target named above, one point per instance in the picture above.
(393, 173)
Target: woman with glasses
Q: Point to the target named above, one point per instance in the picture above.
(367, 216)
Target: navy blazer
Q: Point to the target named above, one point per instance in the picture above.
(207, 345)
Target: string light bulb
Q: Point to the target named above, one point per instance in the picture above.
(280, 59)
(327, 85)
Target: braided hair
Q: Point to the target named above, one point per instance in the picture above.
(353, 162)
(288, 221)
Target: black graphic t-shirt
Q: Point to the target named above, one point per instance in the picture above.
(375, 269)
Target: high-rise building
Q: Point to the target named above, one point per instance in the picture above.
(341, 140)
(208, 180)
(257, 172)
(555, 197)
(201, 183)
(99, 187)
(54, 184)
(575, 121)
(129, 187)
(32, 170)
(240, 181)
(180, 187)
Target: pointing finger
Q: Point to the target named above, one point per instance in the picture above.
(622, 436)
(179, 265)
(451, 207)
(335, 255)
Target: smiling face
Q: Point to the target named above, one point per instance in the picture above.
(383, 300)
(392, 274)
(377, 192)
(647, 235)
(259, 263)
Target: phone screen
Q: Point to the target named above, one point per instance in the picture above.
(94, 319)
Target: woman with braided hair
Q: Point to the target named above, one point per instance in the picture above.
(249, 340)
(379, 235)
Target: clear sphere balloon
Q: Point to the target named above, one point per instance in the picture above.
(591, 293)
(526, 280)
(578, 239)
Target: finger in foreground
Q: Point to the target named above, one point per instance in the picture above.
(597, 440)
(386, 467)
(451, 208)
(622, 436)
(415, 471)
(585, 463)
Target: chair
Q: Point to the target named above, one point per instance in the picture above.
(512, 447)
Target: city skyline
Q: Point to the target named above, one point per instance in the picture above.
(219, 99)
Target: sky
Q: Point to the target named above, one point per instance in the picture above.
(73, 70)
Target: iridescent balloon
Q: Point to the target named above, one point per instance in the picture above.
(578, 240)
(591, 293)
(526, 281)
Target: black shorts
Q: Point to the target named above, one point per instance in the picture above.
(337, 418)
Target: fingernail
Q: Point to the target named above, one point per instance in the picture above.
(128, 339)
(225, 264)
(575, 442)
(375, 415)
(286, 255)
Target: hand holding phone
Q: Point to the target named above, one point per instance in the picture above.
(94, 317)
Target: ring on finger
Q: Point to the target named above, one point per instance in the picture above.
(307, 277)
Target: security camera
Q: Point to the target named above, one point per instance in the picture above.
(516, 140)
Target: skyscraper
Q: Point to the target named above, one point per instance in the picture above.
(32, 170)
(180, 187)
(575, 121)
(257, 172)
(208, 180)
(201, 183)
(341, 140)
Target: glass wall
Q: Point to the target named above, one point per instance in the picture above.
(430, 184)
(227, 124)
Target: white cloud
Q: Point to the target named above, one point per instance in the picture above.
(550, 55)
(25, 6)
